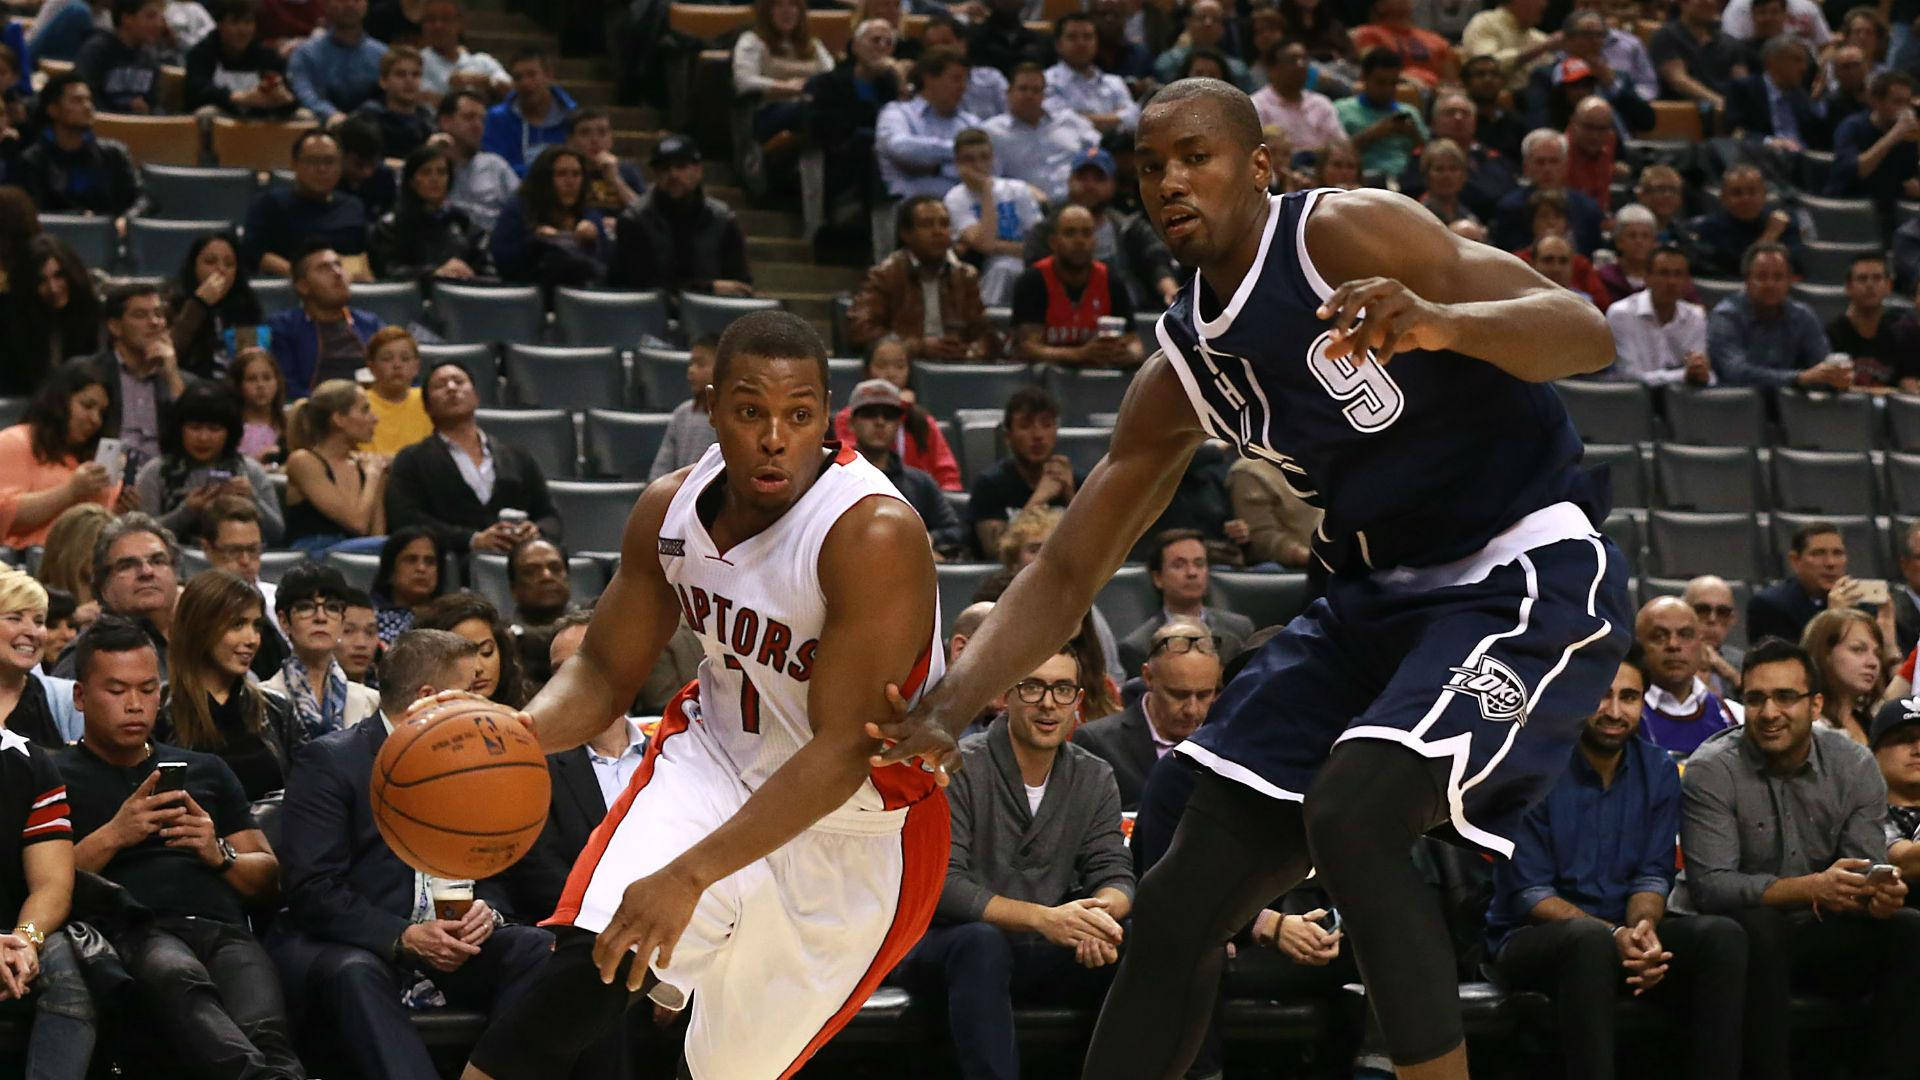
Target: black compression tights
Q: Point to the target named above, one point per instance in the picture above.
(1234, 851)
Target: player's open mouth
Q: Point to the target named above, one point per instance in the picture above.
(1179, 221)
(768, 481)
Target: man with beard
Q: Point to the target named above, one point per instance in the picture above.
(1579, 911)
(1125, 242)
(1680, 711)
(676, 236)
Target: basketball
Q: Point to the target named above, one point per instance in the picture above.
(460, 791)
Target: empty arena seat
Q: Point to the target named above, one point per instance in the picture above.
(702, 315)
(843, 374)
(1827, 301)
(1830, 261)
(1626, 471)
(1842, 220)
(1682, 544)
(1824, 481)
(1903, 421)
(1267, 599)
(619, 319)
(566, 377)
(1868, 555)
(957, 582)
(398, 303)
(1084, 446)
(479, 361)
(1608, 412)
(1084, 392)
(944, 389)
(91, 238)
(1717, 416)
(260, 145)
(1711, 479)
(1903, 482)
(489, 313)
(185, 192)
(623, 444)
(1714, 290)
(594, 513)
(358, 567)
(163, 140)
(661, 375)
(1821, 421)
(547, 434)
(1127, 599)
(1628, 531)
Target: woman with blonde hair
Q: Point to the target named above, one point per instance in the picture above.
(1849, 648)
(212, 705)
(66, 559)
(33, 705)
(336, 495)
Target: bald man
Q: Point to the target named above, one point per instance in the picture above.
(1711, 599)
(1182, 674)
(1679, 710)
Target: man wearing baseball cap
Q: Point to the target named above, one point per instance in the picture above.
(1895, 740)
(877, 412)
(677, 237)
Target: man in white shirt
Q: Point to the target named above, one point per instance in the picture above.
(914, 138)
(1658, 338)
(991, 215)
(1035, 143)
(1076, 83)
(483, 181)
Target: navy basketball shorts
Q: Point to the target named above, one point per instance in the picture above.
(1496, 675)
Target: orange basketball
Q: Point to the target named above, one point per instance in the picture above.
(461, 791)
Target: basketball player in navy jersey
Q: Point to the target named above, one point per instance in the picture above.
(1395, 374)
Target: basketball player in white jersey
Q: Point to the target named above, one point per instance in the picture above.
(756, 859)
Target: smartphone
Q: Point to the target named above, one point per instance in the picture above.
(173, 776)
(110, 454)
(1330, 922)
(1882, 874)
(1874, 591)
(216, 476)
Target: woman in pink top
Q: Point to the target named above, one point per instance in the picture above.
(920, 444)
(46, 461)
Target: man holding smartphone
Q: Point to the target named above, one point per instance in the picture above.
(1784, 828)
(191, 854)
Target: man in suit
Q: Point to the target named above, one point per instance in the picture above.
(139, 368)
(1182, 674)
(1178, 566)
(1772, 106)
(1818, 558)
(1906, 593)
(360, 929)
(458, 480)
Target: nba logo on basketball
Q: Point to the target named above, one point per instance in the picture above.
(490, 735)
(1503, 697)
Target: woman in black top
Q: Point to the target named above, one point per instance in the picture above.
(63, 311)
(424, 236)
(216, 313)
(212, 706)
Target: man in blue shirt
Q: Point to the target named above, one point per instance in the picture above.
(532, 117)
(1876, 153)
(1761, 337)
(1578, 912)
(282, 219)
(338, 71)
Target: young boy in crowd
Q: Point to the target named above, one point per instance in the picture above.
(404, 121)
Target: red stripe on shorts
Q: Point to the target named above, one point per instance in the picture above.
(673, 721)
(924, 844)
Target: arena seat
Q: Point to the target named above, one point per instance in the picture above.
(1829, 302)
(1821, 421)
(1717, 416)
(12, 409)
(566, 377)
(661, 376)
(1842, 220)
(1267, 599)
(619, 319)
(843, 374)
(489, 313)
(274, 293)
(547, 434)
(702, 315)
(960, 501)
(159, 140)
(957, 582)
(1083, 392)
(1824, 482)
(1676, 120)
(1867, 548)
(259, 145)
(398, 303)
(91, 238)
(1711, 479)
(1084, 446)
(1627, 472)
(160, 245)
(275, 564)
(978, 448)
(1608, 412)
(1714, 290)
(183, 191)
(945, 389)
(594, 514)
(622, 445)
(1903, 421)
(1127, 599)
(1682, 544)
(479, 361)
(358, 567)
(1828, 261)
(1903, 482)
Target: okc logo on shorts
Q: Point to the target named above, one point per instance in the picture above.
(1503, 697)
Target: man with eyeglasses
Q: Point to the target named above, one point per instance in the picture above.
(1182, 674)
(231, 541)
(1680, 711)
(1711, 599)
(134, 577)
(311, 605)
(1039, 876)
(1783, 821)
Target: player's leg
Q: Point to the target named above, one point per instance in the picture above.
(564, 1010)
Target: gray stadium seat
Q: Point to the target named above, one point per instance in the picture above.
(1085, 392)
(90, 237)
(192, 561)
(944, 389)
(479, 361)
(1717, 416)
(1127, 599)
(160, 245)
(961, 501)
(1608, 412)
(397, 303)
(702, 315)
(1267, 599)
(547, 434)
(489, 313)
(1823, 421)
(1714, 290)
(1627, 472)
(1684, 545)
(978, 448)
(1628, 531)
(274, 294)
(12, 409)
(563, 377)
(275, 564)
(662, 376)
(1709, 479)
(1827, 301)
(619, 319)
(181, 192)
(1823, 482)
(358, 567)
(957, 582)
(487, 575)
(1867, 549)
(1842, 220)
(1903, 482)
(623, 444)
(1903, 421)
(1828, 261)
(843, 374)
(594, 514)
(1084, 446)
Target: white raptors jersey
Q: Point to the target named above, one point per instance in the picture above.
(759, 611)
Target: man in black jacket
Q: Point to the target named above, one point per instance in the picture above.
(1772, 107)
(1182, 674)
(69, 169)
(1817, 556)
(676, 237)
(457, 481)
(119, 63)
(844, 105)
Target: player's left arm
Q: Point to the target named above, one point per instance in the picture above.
(876, 571)
(1422, 287)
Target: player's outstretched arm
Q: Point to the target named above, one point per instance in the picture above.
(632, 622)
(1423, 287)
(1153, 440)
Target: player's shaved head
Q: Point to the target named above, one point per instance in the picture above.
(1230, 104)
(775, 335)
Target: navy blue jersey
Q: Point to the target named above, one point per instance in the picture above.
(1416, 463)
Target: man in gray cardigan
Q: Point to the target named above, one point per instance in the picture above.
(1038, 879)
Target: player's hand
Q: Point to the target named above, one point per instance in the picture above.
(1642, 955)
(437, 944)
(476, 926)
(1304, 941)
(421, 705)
(915, 735)
(653, 913)
(1383, 315)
